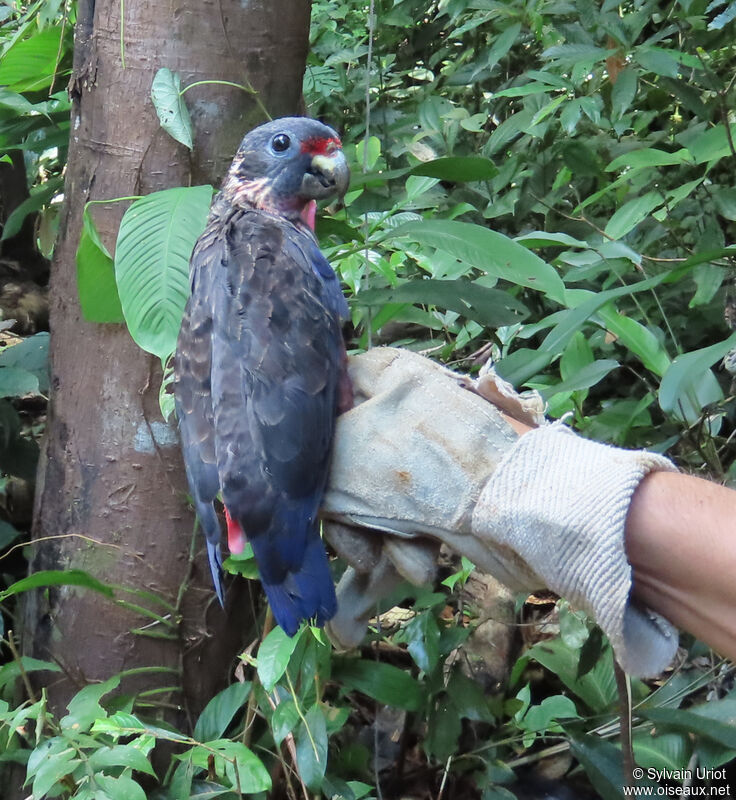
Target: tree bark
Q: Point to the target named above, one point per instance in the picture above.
(111, 495)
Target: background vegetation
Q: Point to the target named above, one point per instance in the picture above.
(547, 184)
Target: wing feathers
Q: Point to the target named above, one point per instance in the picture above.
(258, 365)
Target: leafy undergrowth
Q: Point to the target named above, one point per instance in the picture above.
(404, 717)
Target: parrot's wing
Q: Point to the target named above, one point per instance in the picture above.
(277, 354)
(193, 397)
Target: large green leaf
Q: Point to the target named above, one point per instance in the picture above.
(30, 63)
(156, 239)
(715, 720)
(489, 307)
(382, 682)
(49, 763)
(170, 106)
(711, 146)
(32, 354)
(311, 748)
(242, 766)
(584, 378)
(121, 787)
(15, 382)
(487, 250)
(98, 292)
(84, 708)
(602, 764)
(668, 751)
(458, 169)
(273, 656)
(597, 688)
(681, 390)
(220, 711)
(647, 157)
(632, 213)
(636, 338)
(583, 304)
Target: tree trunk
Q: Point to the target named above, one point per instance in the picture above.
(111, 495)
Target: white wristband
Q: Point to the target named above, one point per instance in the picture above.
(560, 502)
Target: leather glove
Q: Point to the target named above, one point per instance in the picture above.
(426, 457)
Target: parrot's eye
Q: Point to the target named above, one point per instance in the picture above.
(280, 143)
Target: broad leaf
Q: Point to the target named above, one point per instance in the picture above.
(597, 688)
(382, 682)
(715, 720)
(311, 748)
(240, 765)
(170, 106)
(584, 378)
(8, 534)
(602, 764)
(273, 656)
(489, 307)
(220, 711)
(40, 196)
(487, 250)
(30, 64)
(84, 708)
(632, 213)
(98, 292)
(457, 168)
(666, 751)
(156, 239)
(285, 717)
(681, 390)
(122, 787)
(49, 763)
(15, 382)
(646, 157)
(32, 355)
(623, 92)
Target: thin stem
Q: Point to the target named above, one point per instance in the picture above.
(301, 715)
(19, 661)
(248, 89)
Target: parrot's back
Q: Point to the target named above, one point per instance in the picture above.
(259, 361)
(271, 314)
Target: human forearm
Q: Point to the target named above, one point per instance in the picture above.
(681, 543)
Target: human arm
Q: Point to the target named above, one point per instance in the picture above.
(421, 459)
(680, 539)
(681, 543)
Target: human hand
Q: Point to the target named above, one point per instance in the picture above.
(425, 458)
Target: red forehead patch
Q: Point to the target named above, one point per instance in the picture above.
(321, 146)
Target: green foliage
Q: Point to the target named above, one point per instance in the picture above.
(548, 184)
(167, 98)
(35, 54)
(611, 156)
(156, 238)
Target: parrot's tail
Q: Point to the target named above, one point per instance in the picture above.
(306, 593)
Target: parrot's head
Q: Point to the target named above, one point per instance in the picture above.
(285, 165)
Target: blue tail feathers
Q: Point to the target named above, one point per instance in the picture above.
(304, 594)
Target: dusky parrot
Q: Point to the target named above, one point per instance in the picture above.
(260, 365)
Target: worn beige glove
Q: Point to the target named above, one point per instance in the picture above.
(426, 457)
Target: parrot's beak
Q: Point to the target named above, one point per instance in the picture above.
(328, 176)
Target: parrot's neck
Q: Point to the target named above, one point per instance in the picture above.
(256, 194)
